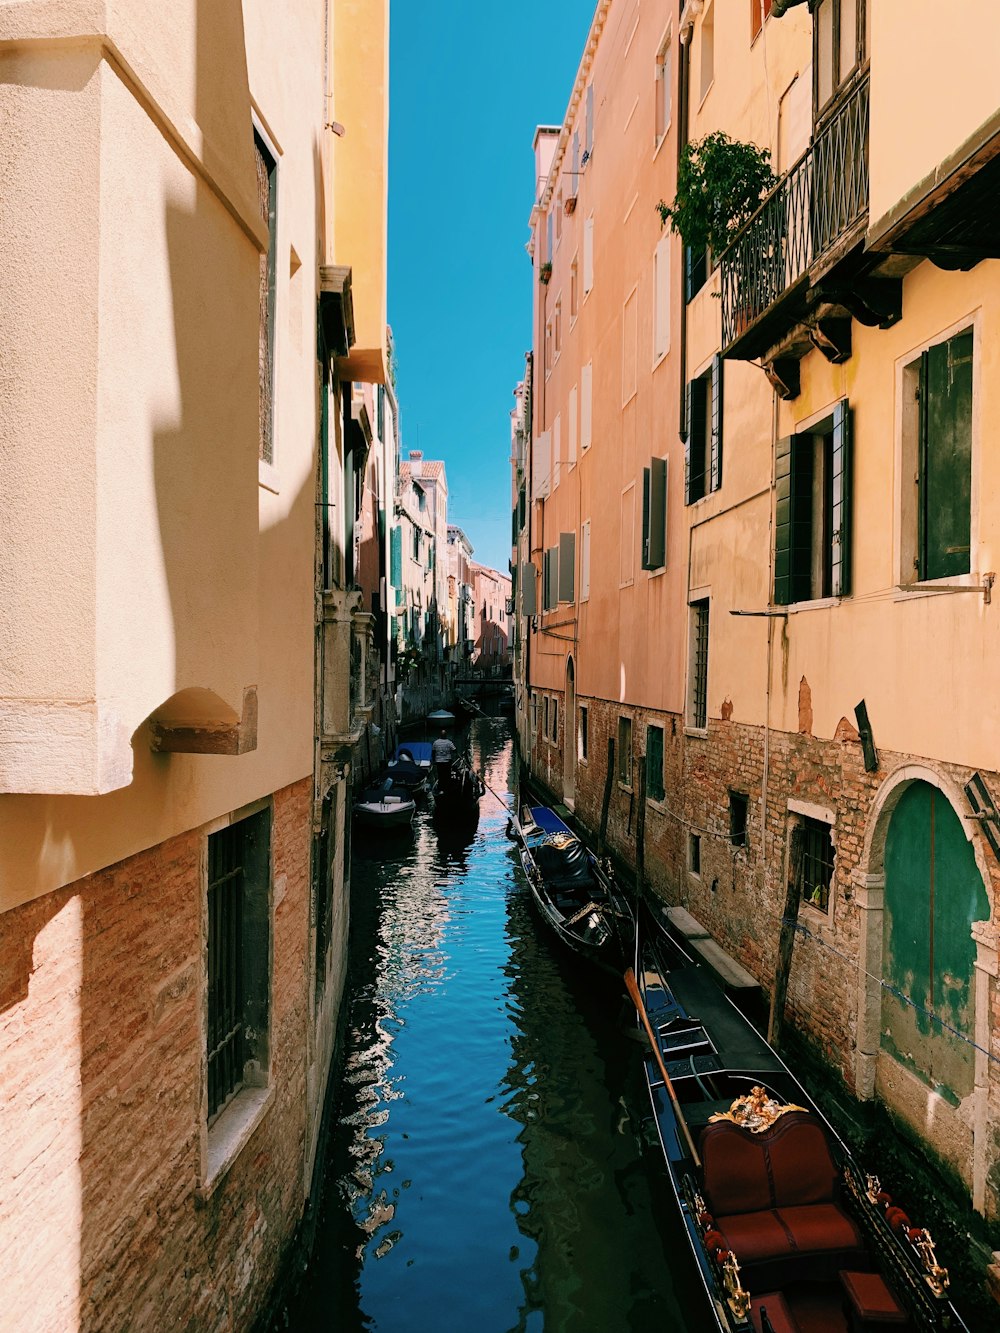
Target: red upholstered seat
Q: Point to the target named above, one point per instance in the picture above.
(773, 1197)
(777, 1312)
(871, 1302)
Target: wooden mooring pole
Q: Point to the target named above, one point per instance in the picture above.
(786, 940)
(640, 833)
(609, 782)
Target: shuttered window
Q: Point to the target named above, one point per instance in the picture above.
(551, 578)
(541, 466)
(698, 667)
(585, 560)
(654, 763)
(567, 566)
(945, 459)
(267, 198)
(654, 514)
(661, 298)
(572, 422)
(589, 145)
(396, 557)
(529, 599)
(586, 405)
(588, 255)
(703, 419)
(812, 533)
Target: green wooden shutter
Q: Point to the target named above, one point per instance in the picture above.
(716, 447)
(945, 474)
(783, 521)
(645, 519)
(396, 558)
(567, 566)
(688, 404)
(841, 485)
(529, 595)
(654, 514)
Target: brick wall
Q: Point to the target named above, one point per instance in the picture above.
(739, 894)
(102, 1063)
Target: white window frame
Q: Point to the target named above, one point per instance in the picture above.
(662, 283)
(664, 70)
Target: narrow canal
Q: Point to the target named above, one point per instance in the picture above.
(484, 1172)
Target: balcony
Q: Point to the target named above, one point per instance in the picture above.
(796, 274)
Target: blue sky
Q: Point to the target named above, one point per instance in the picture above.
(469, 81)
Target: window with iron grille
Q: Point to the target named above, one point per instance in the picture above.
(812, 536)
(555, 721)
(698, 672)
(238, 953)
(582, 747)
(625, 751)
(694, 853)
(817, 863)
(654, 763)
(267, 198)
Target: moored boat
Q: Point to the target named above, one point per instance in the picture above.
(410, 767)
(788, 1234)
(457, 798)
(385, 807)
(575, 893)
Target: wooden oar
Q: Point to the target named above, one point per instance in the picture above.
(633, 989)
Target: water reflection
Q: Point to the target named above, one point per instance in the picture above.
(483, 1170)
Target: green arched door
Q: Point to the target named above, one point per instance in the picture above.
(933, 893)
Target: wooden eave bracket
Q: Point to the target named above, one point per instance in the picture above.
(232, 738)
(336, 308)
(783, 375)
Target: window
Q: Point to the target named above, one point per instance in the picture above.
(556, 449)
(589, 124)
(663, 90)
(555, 721)
(529, 595)
(707, 52)
(416, 543)
(585, 560)
(588, 255)
(817, 862)
(654, 763)
(937, 445)
(267, 198)
(547, 348)
(759, 11)
(739, 808)
(550, 250)
(694, 853)
(574, 289)
(567, 566)
(697, 267)
(839, 45)
(813, 511)
(661, 299)
(576, 167)
(559, 216)
(698, 666)
(239, 858)
(572, 421)
(557, 326)
(582, 735)
(703, 447)
(586, 405)
(630, 337)
(324, 862)
(654, 514)
(625, 751)
(551, 578)
(545, 717)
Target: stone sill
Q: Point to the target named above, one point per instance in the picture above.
(231, 1133)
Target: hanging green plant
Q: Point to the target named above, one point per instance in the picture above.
(720, 183)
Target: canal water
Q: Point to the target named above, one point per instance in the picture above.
(484, 1172)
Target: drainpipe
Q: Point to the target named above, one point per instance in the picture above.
(683, 84)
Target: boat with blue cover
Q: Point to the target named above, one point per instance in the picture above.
(574, 891)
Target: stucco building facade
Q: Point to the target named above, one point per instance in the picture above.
(754, 526)
(195, 203)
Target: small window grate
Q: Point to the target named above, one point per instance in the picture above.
(699, 684)
(817, 863)
(226, 1036)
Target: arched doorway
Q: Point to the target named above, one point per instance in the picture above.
(569, 736)
(926, 956)
(933, 894)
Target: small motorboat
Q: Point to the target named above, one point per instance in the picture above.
(575, 892)
(385, 807)
(410, 767)
(787, 1233)
(441, 718)
(457, 799)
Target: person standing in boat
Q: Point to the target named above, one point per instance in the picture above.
(443, 752)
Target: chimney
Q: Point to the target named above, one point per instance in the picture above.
(416, 463)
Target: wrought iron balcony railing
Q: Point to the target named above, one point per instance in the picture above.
(819, 201)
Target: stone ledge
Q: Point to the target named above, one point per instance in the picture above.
(731, 974)
(231, 1133)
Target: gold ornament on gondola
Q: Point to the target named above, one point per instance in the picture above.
(756, 1111)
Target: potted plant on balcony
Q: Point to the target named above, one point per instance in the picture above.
(720, 184)
(544, 273)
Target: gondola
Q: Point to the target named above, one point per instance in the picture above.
(788, 1234)
(575, 893)
(456, 800)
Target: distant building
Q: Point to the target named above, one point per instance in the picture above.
(491, 611)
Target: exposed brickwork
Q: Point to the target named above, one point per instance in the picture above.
(102, 1052)
(739, 894)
